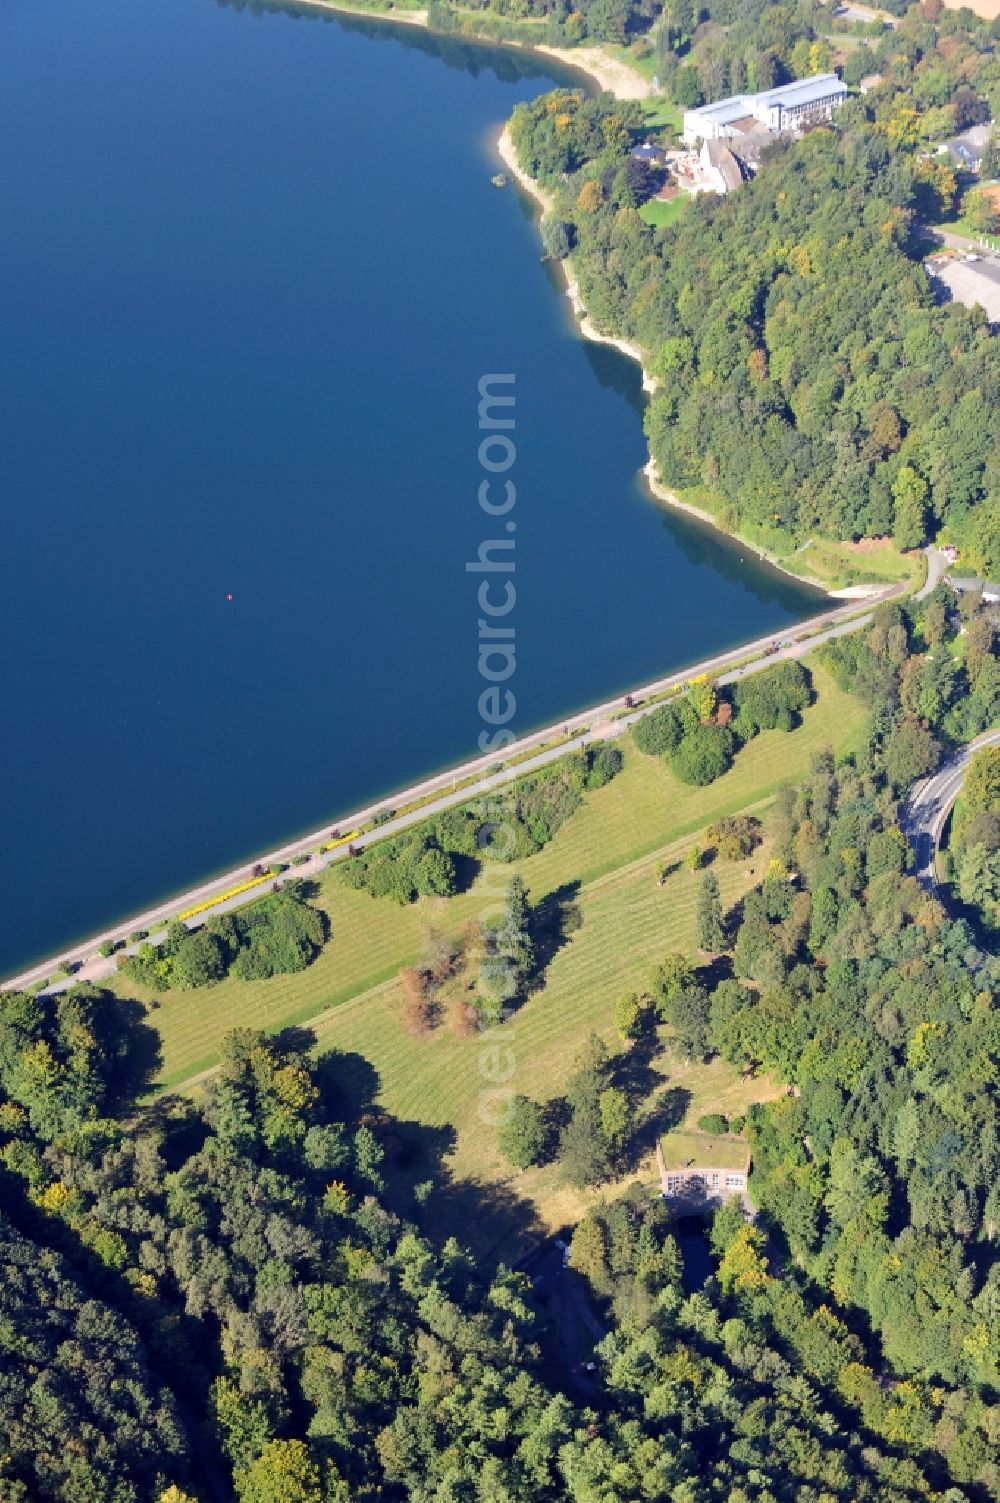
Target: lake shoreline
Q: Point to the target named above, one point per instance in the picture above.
(587, 328)
(246, 605)
(608, 73)
(617, 78)
(453, 785)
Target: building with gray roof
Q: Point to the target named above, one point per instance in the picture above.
(722, 171)
(785, 109)
(966, 150)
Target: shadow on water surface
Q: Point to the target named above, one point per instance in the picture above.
(700, 543)
(618, 373)
(508, 64)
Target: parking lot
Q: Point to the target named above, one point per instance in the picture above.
(970, 281)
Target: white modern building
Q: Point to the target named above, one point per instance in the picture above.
(787, 108)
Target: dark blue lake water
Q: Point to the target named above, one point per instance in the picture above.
(252, 269)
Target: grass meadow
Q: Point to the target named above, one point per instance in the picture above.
(605, 860)
(658, 211)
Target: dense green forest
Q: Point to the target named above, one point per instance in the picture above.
(769, 29)
(201, 1303)
(807, 384)
(877, 1175)
(974, 857)
(939, 69)
(246, 1298)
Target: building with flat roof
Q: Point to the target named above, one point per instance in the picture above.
(701, 1167)
(785, 109)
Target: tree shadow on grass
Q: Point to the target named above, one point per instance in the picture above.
(348, 1085)
(487, 1216)
(556, 1114)
(632, 1070)
(718, 968)
(467, 869)
(294, 1039)
(732, 918)
(555, 919)
(667, 1111)
(420, 1184)
(326, 928)
(413, 1153)
(130, 1046)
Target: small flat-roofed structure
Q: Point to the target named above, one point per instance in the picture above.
(972, 282)
(703, 1167)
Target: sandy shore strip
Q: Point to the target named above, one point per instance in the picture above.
(610, 74)
(403, 17)
(670, 498)
(543, 198)
(616, 77)
(661, 492)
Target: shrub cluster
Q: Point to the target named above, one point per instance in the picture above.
(514, 823)
(407, 867)
(699, 750)
(276, 935)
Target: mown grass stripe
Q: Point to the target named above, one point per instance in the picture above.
(612, 847)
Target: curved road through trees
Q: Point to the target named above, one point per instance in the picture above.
(931, 802)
